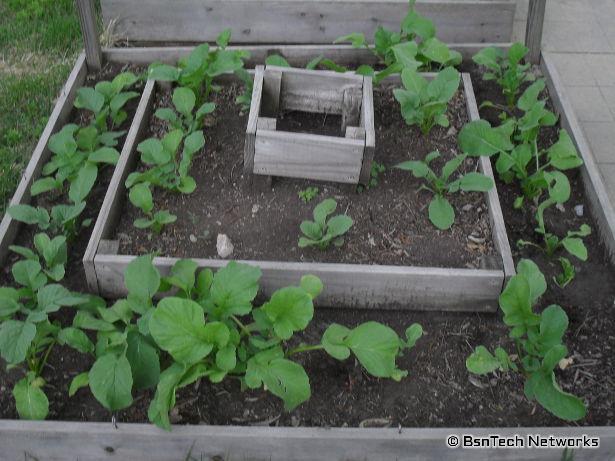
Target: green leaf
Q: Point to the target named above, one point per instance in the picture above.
(30, 215)
(476, 182)
(324, 209)
(29, 274)
(90, 99)
(276, 60)
(184, 100)
(333, 340)
(312, 285)
(153, 152)
(436, 51)
(141, 278)
(405, 54)
(107, 155)
(79, 381)
(15, 340)
(163, 72)
(563, 154)
(178, 327)
(63, 142)
(558, 185)
(290, 309)
(226, 358)
(413, 334)
(144, 361)
(86, 321)
(356, 39)
(30, 400)
(76, 339)
(167, 115)
(544, 388)
(9, 301)
(205, 109)
(488, 57)
(530, 96)
(43, 185)
(441, 213)
(192, 144)
(482, 362)
(111, 382)
(419, 169)
(479, 138)
(445, 85)
(124, 80)
(164, 399)
(140, 196)
(575, 247)
(234, 287)
(83, 183)
(415, 23)
(535, 279)
(338, 225)
(222, 40)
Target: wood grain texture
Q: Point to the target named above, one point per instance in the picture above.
(496, 217)
(294, 21)
(112, 203)
(55, 441)
(255, 107)
(600, 205)
(272, 87)
(296, 55)
(367, 122)
(533, 31)
(89, 31)
(310, 156)
(62, 109)
(349, 285)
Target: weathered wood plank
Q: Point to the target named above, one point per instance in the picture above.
(316, 21)
(255, 107)
(112, 204)
(296, 55)
(301, 155)
(41, 154)
(367, 122)
(601, 207)
(496, 217)
(89, 31)
(349, 285)
(60, 441)
(272, 88)
(533, 31)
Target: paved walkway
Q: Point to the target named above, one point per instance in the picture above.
(580, 35)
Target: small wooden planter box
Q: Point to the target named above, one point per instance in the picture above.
(348, 285)
(300, 155)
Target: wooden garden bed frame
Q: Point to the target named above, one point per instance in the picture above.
(347, 285)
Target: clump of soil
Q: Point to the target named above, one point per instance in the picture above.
(391, 224)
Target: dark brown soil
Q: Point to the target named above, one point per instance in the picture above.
(391, 225)
(438, 392)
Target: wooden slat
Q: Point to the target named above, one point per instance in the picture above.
(60, 441)
(295, 21)
(255, 107)
(272, 88)
(601, 207)
(301, 155)
(349, 285)
(41, 154)
(367, 122)
(111, 206)
(296, 55)
(87, 21)
(533, 31)
(496, 217)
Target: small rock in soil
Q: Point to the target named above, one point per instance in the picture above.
(560, 207)
(467, 207)
(224, 246)
(578, 210)
(192, 238)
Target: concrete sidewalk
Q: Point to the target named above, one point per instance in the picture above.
(580, 35)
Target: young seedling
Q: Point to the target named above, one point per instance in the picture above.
(441, 212)
(107, 100)
(201, 67)
(567, 275)
(309, 194)
(376, 170)
(414, 47)
(184, 101)
(52, 251)
(140, 196)
(506, 69)
(425, 103)
(323, 231)
(538, 339)
(63, 219)
(210, 329)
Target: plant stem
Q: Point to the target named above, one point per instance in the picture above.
(242, 327)
(304, 348)
(41, 365)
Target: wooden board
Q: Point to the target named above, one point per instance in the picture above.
(297, 21)
(60, 441)
(255, 106)
(348, 285)
(116, 191)
(41, 154)
(601, 207)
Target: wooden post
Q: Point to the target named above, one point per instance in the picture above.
(533, 31)
(87, 20)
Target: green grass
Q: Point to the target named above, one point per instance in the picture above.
(39, 40)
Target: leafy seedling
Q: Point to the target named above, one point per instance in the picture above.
(309, 194)
(140, 196)
(63, 219)
(441, 212)
(424, 103)
(539, 344)
(51, 252)
(567, 275)
(183, 118)
(323, 231)
(374, 177)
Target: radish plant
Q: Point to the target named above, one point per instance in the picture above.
(140, 196)
(184, 101)
(52, 252)
(539, 344)
(506, 69)
(441, 212)
(324, 230)
(210, 329)
(62, 220)
(424, 103)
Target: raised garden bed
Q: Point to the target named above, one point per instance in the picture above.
(452, 286)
